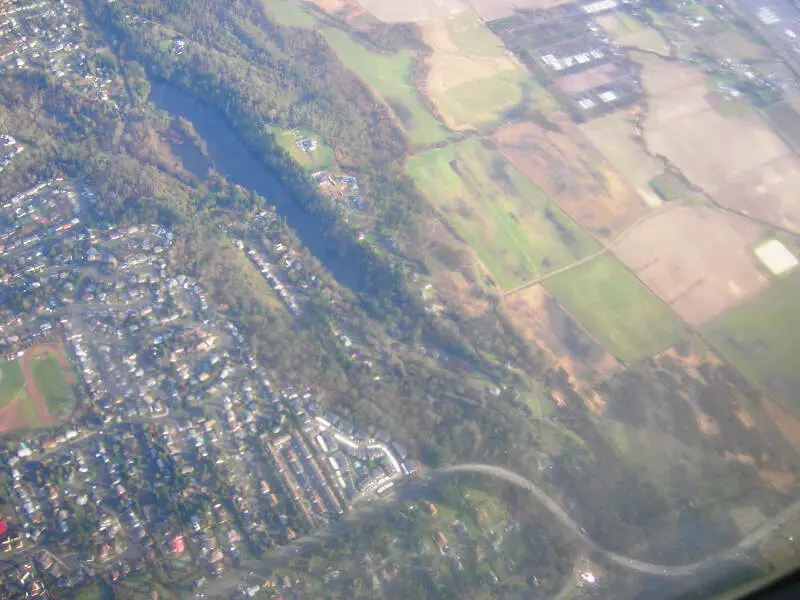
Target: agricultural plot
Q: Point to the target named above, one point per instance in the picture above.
(390, 77)
(760, 337)
(613, 136)
(515, 230)
(470, 80)
(697, 259)
(741, 161)
(616, 308)
(565, 164)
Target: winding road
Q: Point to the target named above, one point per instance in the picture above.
(374, 507)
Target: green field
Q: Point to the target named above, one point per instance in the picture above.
(12, 381)
(321, 158)
(51, 381)
(616, 308)
(289, 14)
(484, 101)
(517, 232)
(760, 336)
(390, 76)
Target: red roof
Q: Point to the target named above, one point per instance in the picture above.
(3, 528)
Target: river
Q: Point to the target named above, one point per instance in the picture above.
(232, 159)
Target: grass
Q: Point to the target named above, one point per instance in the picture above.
(390, 76)
(321, 158)
(759, 337)
(289, 14)
(52, 383)
(516, 231)
(616, 308)
(11, 381)
(29, 417)
(669, 187)
(484, 101)
(473, 37)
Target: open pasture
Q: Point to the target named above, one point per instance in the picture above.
(569, 169)
(512, 226)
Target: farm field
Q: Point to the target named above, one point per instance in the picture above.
(741, 161)
(515, 230)
(390, 76)
(471, 81)
(616, 308)
(697, 259)
(611, 135)
(760, 337)
(540, 320)
(569, 169)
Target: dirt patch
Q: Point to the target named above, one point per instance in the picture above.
(697, 259)
(564, 163)
(768, 192)
(540, 319)
(785, 422)
(586, 80)
(741, 156)
(779, 480)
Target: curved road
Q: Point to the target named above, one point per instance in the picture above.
(378, 506)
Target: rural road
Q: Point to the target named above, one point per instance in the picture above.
(378, 506)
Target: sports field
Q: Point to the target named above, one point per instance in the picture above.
(616, 308)
(759, 338)
(35, 390)
(51, 381)
(517, 232)
(390, 76)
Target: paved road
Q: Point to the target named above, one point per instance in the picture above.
(375, 507)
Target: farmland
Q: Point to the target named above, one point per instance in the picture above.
(739, 160)
(515, 230)
(616, 308)
(390, 76)
(569, 169)
(760, 339)
(611, 135)
(471, 81)
(697, 259)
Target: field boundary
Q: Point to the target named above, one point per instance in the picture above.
(597, 253)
